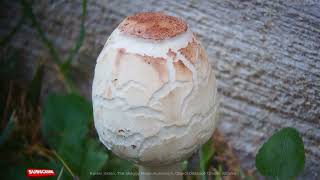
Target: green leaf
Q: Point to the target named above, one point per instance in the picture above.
(92, 160)
(206, 153)
(282, 156)
(65, 120)
(65, 126)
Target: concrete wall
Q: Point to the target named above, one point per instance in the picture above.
(266, 55)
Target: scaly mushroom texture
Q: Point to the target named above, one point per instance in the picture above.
(154, 93)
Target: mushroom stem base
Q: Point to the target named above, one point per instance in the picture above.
(168, 172)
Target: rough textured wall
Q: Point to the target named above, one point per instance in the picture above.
(266, 55)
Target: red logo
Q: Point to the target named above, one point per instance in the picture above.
(40, 172)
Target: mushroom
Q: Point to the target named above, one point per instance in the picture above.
(154, 93)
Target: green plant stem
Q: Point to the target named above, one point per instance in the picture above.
(62, 68)
(202, 165)
(27, 9)
(80, 38)
(60, 174)
(63, 163)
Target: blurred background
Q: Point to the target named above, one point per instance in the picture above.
(265, 55)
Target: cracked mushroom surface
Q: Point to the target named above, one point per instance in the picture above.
(154, 93)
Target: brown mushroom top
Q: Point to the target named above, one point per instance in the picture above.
(153, 25)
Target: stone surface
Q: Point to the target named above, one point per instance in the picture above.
(266, 55)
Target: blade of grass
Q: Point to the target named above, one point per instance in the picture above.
(60, 174)
(27, 9)
(202, 165)
(206, 152)
(80, 38)
(48, 153)
(62, 67)
(63, 163)
(219, 173)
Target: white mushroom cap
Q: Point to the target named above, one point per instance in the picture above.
(154, 93)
